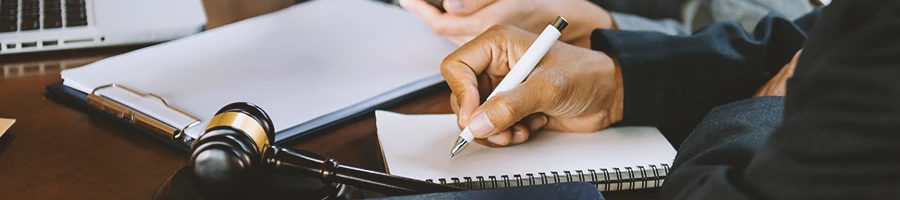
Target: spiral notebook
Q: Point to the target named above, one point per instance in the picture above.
(622, 158)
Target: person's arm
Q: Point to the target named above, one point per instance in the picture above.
(838, 139)
(672, 81)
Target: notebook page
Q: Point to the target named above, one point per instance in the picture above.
(418, 146)
(299, 64)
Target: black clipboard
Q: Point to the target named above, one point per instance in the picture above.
(65, 95)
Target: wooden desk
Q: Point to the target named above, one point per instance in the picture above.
(57, 152)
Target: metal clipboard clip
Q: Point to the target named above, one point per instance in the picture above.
(138, 118)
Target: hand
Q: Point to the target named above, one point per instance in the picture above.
(466, 19)
(777, 86)
(571, 89)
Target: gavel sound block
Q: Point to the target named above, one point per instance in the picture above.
(234, 157)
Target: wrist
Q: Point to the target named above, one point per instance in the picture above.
(618, 107)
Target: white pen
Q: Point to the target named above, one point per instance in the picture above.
(517, 74)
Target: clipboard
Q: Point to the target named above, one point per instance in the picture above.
(309, 77)
(171, 136)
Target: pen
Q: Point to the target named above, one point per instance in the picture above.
(517, 74)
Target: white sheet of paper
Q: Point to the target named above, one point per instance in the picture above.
(5, 124)
(418, 146)
(299, 64)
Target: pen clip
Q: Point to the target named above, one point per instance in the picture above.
(138, 118)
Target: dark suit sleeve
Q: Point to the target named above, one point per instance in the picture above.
(672, 81)
(841, 124)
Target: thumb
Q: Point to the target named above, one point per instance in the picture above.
(506, 108)
(465, 7)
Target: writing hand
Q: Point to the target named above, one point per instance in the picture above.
(571, 89)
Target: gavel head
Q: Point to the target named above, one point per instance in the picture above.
(227, 158)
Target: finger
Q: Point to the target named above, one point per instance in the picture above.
(529, 126)
(422, 9)
(533, 123)
(461, 69)
(465, 7)
(796, 56)
(454, 105)
(467, 101)
(485, 142)
(475, 22)
(503, 138)
(793, 64)
(777, 86)
(440, 23)
(506, 108)
(779, 82)
(520, 134)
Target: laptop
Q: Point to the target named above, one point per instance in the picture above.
(47, 25)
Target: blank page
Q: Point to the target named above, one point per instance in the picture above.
(418, 146)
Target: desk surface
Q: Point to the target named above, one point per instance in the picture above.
(57, 152)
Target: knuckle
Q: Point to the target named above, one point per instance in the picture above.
(451, 65)
(506, 107)
(447, 64)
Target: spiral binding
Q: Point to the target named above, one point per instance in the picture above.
(612, 179)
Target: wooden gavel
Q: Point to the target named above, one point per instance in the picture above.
(234, 155)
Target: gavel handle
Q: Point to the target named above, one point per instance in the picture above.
(290, 161)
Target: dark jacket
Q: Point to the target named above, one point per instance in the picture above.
(653, 9)
(672, 81)
(839, 135)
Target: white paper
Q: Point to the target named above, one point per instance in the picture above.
(298, 64)
(5, 124)
(418, 146)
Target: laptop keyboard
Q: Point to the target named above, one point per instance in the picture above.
(24, 15)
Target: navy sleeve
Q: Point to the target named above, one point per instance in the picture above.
(672, 81)
(725, 141)
(841, 122)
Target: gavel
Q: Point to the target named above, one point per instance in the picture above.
(234, 155)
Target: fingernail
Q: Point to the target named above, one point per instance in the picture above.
(456, 5)
(481, 125)
(518, 137)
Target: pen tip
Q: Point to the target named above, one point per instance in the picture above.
(460, 145)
